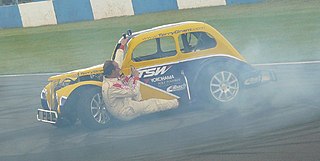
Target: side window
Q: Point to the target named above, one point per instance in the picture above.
(154, 49)
(196, 41)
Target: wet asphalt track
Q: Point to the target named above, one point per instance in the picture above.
(285, 126)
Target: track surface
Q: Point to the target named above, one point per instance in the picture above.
(285, 126)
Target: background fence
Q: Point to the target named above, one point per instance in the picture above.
(24, 13)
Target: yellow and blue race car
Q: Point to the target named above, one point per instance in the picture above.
(191, 61)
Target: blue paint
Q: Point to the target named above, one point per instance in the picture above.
(147, 6)
(242, 1)
(72, 10)
(10, 17)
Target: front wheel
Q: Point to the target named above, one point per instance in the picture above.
(92, 109)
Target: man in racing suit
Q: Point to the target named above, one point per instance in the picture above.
(122, 94)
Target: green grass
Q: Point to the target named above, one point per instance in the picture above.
(273, 31)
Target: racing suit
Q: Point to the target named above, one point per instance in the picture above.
(123, 99)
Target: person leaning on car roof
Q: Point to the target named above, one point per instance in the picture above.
(122, 93)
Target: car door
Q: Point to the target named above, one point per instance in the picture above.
(158, 63)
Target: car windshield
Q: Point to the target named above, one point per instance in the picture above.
(154, 49)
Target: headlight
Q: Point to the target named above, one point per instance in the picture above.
(63, 100)
(43, 94)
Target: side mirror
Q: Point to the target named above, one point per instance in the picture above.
(129, 32)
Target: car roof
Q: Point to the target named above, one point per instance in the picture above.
(166, 26)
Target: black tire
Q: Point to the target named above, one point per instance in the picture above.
(220, 85)
(92, 111)
(63, 122)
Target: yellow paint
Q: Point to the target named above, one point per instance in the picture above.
(173, 30)
(148, 92)
(66, 91)
(223, 45)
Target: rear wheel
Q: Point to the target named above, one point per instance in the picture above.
(220, 86)
(92, 109)
(224, 86)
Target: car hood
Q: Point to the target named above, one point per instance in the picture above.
(80, 72)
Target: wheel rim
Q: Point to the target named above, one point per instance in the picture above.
(98, 109)
(224, 86)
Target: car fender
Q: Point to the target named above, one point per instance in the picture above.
(69, 94)
(225, 59)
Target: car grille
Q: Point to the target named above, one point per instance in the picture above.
(52, 99)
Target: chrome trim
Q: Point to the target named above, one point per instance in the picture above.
(47, 116)
(188, 90)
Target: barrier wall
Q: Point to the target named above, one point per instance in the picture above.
(63, 11)
(111, 8)
(10, 17)
(72, 10)
(184, 4)
(147, 6)
(242, 1)
(37, 14)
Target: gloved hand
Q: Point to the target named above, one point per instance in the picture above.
(134, 72)
(123, 43)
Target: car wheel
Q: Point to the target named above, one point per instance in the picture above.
(92, 109)
(224, 86)
(221, 86)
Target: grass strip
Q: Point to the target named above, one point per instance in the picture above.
(268, 32)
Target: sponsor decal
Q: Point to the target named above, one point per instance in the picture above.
(90, 72)
(168, 82)
(145, 73)
(252, 80)
(162, 81)
(163, 78)
(178, 87)
(173, 33)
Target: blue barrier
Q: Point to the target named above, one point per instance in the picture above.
(72, 10)
(81, 10)
(147, 6)
(229, 2)
(10, 17)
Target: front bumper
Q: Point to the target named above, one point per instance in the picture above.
(47, 116)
